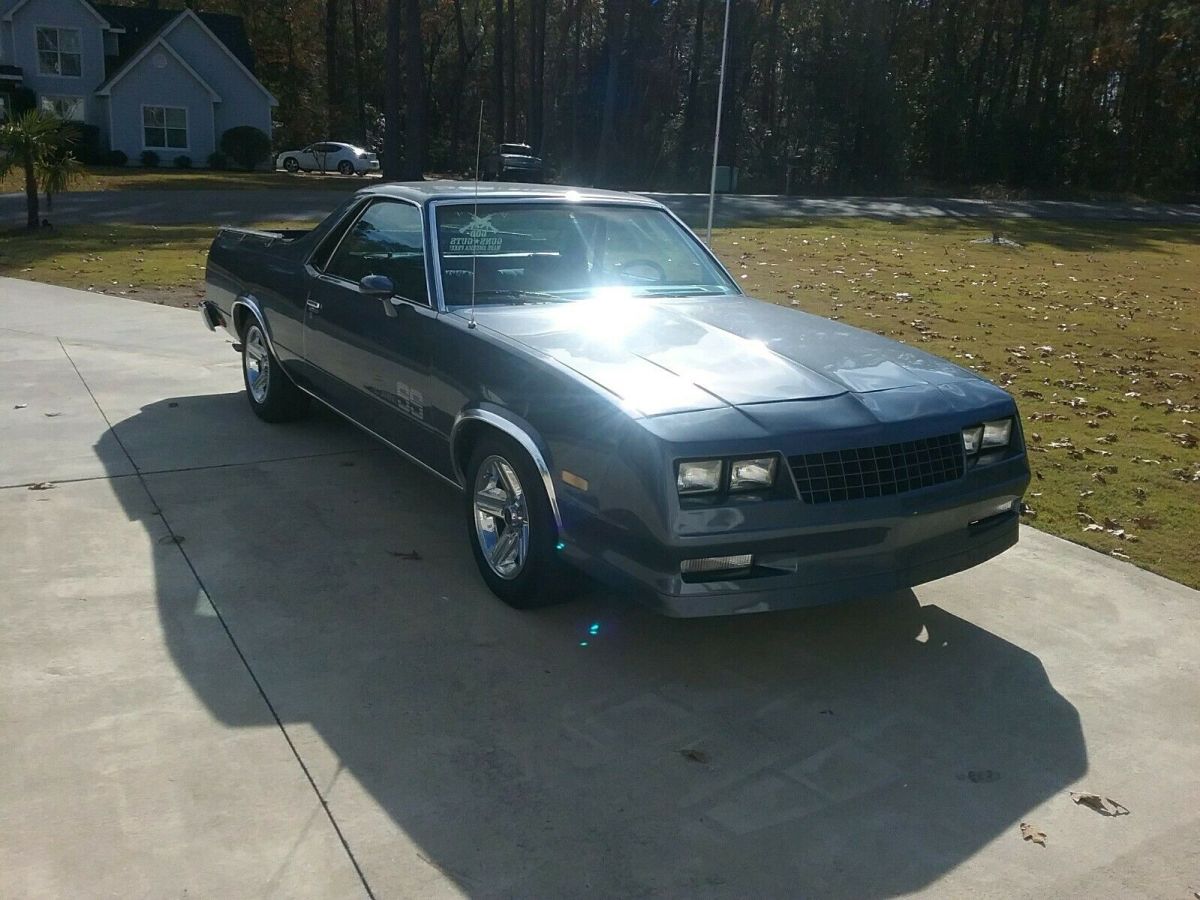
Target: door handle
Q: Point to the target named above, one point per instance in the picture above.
(313, 306)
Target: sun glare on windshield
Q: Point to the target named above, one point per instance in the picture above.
(552, 252)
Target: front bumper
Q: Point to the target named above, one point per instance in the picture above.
(857, 550)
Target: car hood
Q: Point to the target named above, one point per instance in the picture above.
(677, 355)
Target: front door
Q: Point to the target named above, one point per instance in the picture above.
(371, 354)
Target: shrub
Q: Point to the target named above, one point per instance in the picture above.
(87, 143)
(246, 145)
(114, 158)
(149, 159)
(23, 100)
(218, 160)
(183, 162)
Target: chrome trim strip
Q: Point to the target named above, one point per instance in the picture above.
(380, 438)
(521, 437)
(703, 246)
(372, 201)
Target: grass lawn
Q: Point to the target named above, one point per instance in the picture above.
(103, 178)
(1094, 327)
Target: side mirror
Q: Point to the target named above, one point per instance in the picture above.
(377, 286)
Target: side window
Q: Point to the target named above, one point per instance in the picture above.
(386, 240)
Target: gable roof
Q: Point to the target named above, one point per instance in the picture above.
(90, 7)
(146, 27)
(142, 24)
(106, 88)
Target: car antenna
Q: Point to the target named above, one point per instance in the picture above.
(475, 215)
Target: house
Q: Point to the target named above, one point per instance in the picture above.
(171, 81)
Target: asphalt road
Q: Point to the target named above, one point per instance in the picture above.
(240, 207)
(243, 660)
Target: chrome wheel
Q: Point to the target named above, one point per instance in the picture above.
(501, 517)
(257, 361)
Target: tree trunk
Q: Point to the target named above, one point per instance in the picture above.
(391, 95)
(458, 86)
(359, 92)
(537, 67)
(31, 191)
(413, 163)
(614, 27)
(331, 67)
(575, 67)
(498, 121)
(511, 104)
(687, 131)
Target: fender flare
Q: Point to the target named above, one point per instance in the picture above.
(521, 432)
(248, 301)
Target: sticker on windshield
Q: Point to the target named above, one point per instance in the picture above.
(477, 236)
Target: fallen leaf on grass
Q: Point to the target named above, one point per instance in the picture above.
(1106, 806)
(51, 415)
(20, 406)
(1033, 833)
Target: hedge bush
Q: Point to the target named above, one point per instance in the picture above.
(149, 159)
(114, 158)
(218, 160)
(183, 162)
(246, 145)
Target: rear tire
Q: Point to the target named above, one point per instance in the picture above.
(510, 525)
(273, 396)
(345, 167)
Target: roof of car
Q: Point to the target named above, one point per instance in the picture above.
(425, 191)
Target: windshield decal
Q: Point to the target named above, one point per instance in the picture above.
(478, 236)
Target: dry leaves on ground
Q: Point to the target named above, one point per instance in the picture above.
(1106, 806)
(1033, 833)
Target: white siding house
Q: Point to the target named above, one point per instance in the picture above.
(171, 81)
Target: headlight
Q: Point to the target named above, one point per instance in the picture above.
(699, 477)
(972, 438)
(997, 434)
(752, 474)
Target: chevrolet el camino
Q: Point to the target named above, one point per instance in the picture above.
(583, 368)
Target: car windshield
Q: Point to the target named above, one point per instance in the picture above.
(517, 253)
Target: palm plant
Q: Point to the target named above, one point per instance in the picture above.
(39, 143)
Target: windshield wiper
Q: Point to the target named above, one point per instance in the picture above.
(518, 296)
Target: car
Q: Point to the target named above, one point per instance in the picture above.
(511, 162)
(328, 156)
(585, 371)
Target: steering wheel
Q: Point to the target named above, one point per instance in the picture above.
(650, 270)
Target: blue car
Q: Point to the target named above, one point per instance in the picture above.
(607, 399)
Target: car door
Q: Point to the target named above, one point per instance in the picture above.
(369, 355)
(307, 158)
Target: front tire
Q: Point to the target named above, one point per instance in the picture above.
(272, 394)
(292, 164)
(510, 525)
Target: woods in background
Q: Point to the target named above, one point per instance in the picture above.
(849, 95)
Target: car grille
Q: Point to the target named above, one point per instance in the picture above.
(877, 471)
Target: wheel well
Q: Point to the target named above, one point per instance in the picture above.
(239, 319)
(465, 439)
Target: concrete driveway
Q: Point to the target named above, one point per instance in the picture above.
(241, 660)
(243, 207)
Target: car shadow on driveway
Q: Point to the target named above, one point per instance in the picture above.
(594, 748)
